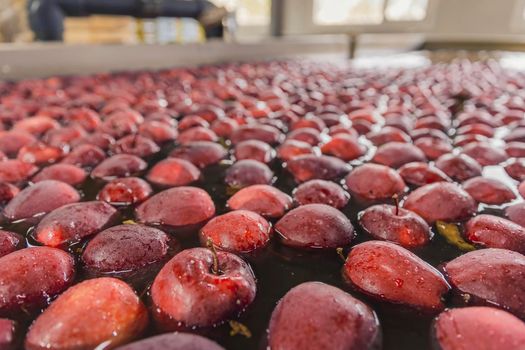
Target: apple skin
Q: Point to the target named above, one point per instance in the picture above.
(314, 315)
(399, 225)
(186, 293)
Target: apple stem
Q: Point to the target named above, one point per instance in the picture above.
(339, 252)
(395, 197)
(215, 266)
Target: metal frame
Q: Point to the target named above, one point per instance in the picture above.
(40, 60)
(277, 18)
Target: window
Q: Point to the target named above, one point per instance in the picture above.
(367, 12)
(337, 12)
(406, 10)
(248, 12)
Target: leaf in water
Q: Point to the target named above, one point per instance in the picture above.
(341, 253)
(453, 236)
(223, 142)
(231, 190)
(225, 163)
(239, 328)
(129, 222)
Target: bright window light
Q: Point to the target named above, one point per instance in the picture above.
(406, 10)
(249, 12)
(341, 12)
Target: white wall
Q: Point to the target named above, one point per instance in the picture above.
(479, 19)
(484, 20)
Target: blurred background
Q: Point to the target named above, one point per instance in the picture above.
(388, 24)
(86, 36)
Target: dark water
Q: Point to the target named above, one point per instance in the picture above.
(279, 268)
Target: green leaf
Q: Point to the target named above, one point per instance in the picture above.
(451, 233)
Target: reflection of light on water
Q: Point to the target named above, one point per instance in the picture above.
(507, 60)
(406, 60)
(499, 134)
(513, 61)
(497, 172)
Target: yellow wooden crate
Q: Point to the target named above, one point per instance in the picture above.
(13, 21)
(99, 22)
(100, 29)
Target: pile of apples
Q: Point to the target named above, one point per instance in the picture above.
(102, 177)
